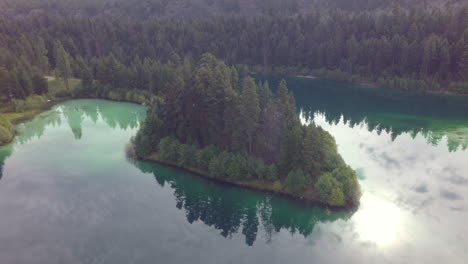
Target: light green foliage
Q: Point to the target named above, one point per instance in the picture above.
(325, 185)
(5, 131)
(31, 102)
(277, 186)
(336, 198)
(342, 178)
(350, 185)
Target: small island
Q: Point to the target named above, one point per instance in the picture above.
(236, 131)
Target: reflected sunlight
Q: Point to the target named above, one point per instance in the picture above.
(378, 221)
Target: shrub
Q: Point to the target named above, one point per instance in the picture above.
(5, 135)
(169, 149)
(187, 155)
(325, 185)
(218, 165)
(271, 172)
(296, 181)
(204, 156)
(31, 102)
(277, 186)
(336, 198)
(343, 178)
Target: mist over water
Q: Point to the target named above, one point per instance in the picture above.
(68, 194)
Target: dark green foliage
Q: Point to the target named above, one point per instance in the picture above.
(255, 132)
(421, 48)
(296, 181)
(40, 84)
(187, 155)
(147, 138)
(271, 172)
(204, 156)
(224, 165)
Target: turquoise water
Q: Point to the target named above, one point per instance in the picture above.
(68, 194)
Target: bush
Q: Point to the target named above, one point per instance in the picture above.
(204, 156)
(296, 181)
(187, 155)
(271, 172)
(235, 166)
(343, 178)
(218, 165)
(350, 185)
(169, 149)
(325, 185)
(336, 198)
(31, 102)
(277, 186)
(5, 135)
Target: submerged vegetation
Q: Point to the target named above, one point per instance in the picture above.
(243, 134)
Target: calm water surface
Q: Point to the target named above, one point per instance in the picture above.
(68, 194)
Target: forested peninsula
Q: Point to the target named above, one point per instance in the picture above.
(237, 131)
(153, 53)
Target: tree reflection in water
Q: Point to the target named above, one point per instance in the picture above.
(396, 112)
(234, 210)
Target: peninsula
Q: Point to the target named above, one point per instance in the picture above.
(237, 131)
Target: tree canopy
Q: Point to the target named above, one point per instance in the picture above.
(240, 131)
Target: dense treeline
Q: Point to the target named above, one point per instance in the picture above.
(242, 132)
(147, 9)
(415, 49)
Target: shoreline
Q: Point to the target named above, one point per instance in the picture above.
(250, 185)
(31, 114)
(375, 86)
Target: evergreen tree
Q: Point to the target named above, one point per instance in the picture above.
(250, 111)
(62, 63)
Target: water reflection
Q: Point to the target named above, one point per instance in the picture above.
(5, 152)
(73, 113)
(378, 221)
(434, 116)
(232, 210)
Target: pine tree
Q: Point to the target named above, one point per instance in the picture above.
(311, 150)
(7, 84)
(63, 63)
(464, 63)
(250, 110)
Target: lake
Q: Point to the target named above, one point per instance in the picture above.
(68, 194)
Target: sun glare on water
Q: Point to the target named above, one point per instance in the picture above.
(378, 221)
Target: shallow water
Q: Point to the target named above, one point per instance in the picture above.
(68, 194)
